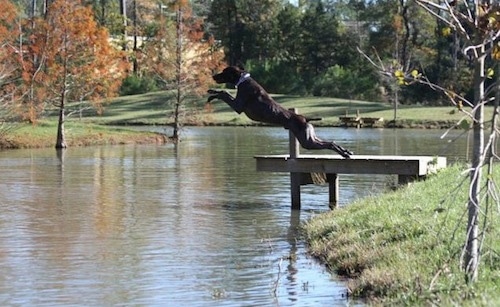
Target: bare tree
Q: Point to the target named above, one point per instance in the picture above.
(180, 56)
(477, 23)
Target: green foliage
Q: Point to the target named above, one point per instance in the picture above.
(246, 28)
(343, 83)
(107, 14)
(301, 45)
(289, 41)
(320, 42)
(135, 84)
(277, 76)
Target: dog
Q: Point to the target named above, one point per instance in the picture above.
(258, 105)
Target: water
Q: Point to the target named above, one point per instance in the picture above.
(186, 225)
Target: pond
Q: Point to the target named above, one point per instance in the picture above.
(191, 224)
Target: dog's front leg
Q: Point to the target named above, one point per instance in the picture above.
(226, 97)
(214, 94)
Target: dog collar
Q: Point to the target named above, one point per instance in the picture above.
(243, 78)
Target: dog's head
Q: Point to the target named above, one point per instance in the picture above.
(230, 74)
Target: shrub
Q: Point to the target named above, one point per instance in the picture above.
(134, 84)
(277, 76)
(340, 82)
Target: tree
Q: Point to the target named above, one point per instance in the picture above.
(279, 72)
(478, 25)
(78, 62)
(9, 30)
(107, 14)
(228, 28)
(25, 64)
(320, 37)
(246, 28)
(180, 56)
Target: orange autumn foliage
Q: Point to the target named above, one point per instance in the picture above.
(201, 56)
(9, 30)
(78, 52)
(68, 57)
(8, 15)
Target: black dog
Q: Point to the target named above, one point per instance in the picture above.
(256, 103)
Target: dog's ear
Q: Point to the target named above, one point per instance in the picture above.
(239, 64)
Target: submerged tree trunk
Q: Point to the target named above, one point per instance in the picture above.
(61, 139)
(178, 74)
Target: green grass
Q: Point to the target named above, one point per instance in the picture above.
(43, 134)
(404, 247)
(156, 109)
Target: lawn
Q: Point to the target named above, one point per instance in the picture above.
(43, 134)
(85, 127)
(156, 109)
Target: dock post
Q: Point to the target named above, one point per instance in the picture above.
(333, 190)
(359, 120)
(295, 178)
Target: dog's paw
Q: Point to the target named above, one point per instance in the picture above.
(213, 92)
(346, 153)
(210, 98)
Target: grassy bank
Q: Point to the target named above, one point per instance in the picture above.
(155, 109)
(43, 134)
(404, 247)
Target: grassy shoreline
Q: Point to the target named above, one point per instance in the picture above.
(403, 247)
(43, 135)
(155, 108)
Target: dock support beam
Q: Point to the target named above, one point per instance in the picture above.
(298, 179)
(333, 190)
(295, 178)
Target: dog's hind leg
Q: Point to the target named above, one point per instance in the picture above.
(308, 139)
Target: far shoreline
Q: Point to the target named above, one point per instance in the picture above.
(117, 133)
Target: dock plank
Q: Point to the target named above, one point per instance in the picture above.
(357, 164)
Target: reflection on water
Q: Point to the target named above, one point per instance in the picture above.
(192, 224)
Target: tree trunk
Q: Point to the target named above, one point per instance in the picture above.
(33, 9)
(123, 12)
(395, 107)
(61, 139)
(472, 244)
(178, 74)
(46, 4)
(135, 49)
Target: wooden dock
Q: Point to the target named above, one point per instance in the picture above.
(307, 169)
